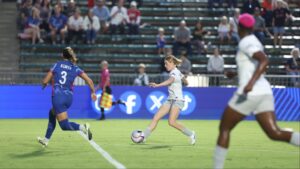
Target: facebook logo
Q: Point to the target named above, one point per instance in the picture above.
(154, 100)
(189, 103)
(95, 105)
(133, 102)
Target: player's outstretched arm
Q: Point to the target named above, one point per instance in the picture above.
(263, 62)
(89, 81)
(47, 79)
(165, 83)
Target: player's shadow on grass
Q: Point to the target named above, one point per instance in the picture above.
(36, 153)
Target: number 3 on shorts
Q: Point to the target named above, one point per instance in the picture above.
(64, 77)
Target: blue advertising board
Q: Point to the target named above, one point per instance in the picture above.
(142, 102)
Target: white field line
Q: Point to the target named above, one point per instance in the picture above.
(105, 154)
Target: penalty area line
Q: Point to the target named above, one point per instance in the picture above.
(105, 154)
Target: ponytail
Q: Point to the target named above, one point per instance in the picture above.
(69, 54)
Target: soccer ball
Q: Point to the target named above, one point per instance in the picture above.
(137, 136)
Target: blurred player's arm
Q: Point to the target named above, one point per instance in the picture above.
(89, 81)
(47, 79)
(263, 62)
(165, 83)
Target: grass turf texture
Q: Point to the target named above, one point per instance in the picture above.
(165, 148)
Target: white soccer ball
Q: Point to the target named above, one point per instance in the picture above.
(137, 136)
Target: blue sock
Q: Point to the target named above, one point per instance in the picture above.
(66, 125)
(51, 124)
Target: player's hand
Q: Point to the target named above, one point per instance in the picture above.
(248, 88)
(93, 96)
(152, 84)
(104, 90)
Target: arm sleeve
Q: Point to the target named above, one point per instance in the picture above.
(79, 71)
(250, 50)
(53, 68)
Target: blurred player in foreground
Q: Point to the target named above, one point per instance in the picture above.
(254, 94)
(175, 101)
(62, 75)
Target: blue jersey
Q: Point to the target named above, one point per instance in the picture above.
(64, 74)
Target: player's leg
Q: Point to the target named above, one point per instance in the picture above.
(229, 120)
(163, 110)
(267, 122)
(65, 125)
(50, 128)
(174, 113)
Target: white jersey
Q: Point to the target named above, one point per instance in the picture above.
(247, 66)
(175, 88)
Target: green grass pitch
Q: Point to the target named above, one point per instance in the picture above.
(165, 148)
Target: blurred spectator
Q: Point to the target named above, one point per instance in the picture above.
(260, 27)
(198, 35)
(38, 4)
(91, 25)
(58, 25)
(25, 12)
(250, 5)
(91, 3)
(293, 66)
(267, 12)
(71, 8)
(139, 2)
(232, 3)
(224, 29)
(161, 41)
(45, 13)
(185, 66)
(134, 17)
(102, 12)
(182, 36)
(280, 16)
(75, 27)
(119, 18)
(234, 22)
(212, 2)
(32, 29)
(215, 63)
(142, 78)
(62, 4)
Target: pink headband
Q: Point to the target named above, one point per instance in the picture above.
(247, 20)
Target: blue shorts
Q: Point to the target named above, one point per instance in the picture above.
(61, 101)
(278, 30)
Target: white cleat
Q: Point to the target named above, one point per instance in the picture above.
(193, 138)
(87, 131)
(43, 141)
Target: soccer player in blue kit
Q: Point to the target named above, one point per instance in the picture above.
(62, 75)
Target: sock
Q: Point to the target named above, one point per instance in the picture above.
(81, 128)
(187, 132)
(51, 125)
(147, 132)
(219, 157)
(66, 125)
(295, 139)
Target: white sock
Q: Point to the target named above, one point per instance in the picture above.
(81, 128)
(46, 140)
(295, 139)
(219, 157)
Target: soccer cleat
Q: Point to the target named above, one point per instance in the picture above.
(87, 131)
(43, 141)
(193, 138)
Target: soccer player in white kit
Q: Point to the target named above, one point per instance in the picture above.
(175, 101)
(254, 94)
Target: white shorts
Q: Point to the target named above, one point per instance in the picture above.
(178, 103)
(248, 104)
